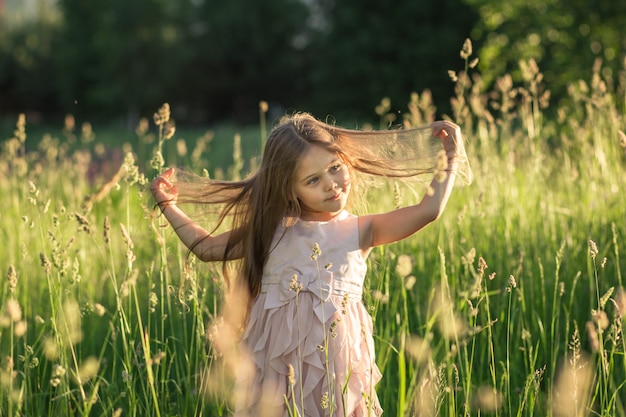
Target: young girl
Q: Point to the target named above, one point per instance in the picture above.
(302, 254)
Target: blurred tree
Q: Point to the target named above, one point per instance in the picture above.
(564, 36)
(27, 70)
(370, 49)
(245, 51)
(118, 57)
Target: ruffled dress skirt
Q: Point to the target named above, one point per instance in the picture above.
(321, 366)
(308, 333)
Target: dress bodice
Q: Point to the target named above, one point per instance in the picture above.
(319, 257)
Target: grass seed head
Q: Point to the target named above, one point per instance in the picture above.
(47, 266)
(13, 310)
(404, 266)
(12, 278)
(466, 50)
(316, 252)
(163, 115)
(88, 369)
(593, 249)
(107, 230)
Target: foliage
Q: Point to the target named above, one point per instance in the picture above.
(370, 49)
(564, 37)
(215, 60)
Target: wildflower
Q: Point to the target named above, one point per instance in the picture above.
(384, 107)
(83, 222)
(344, 303)
(324, 402)
(482, 265)
(107, 230)
(99, 309)
(132, 170)
(404, 266)
(57, 374)
(418, 348)
(466, 51)
(126, 377)
(512, 281)
(20, 132)
(410, 282)
(88, 369)
(263, 106)
(50, 349)
(333, 327)
(20, 328)
(163, 115)
(316, 252)
(154, 301)
(294, 285)
(453, 76)
(292, 375)
(12, 278)
(127, 238)
(593, 249)
(157, 162)
(13, 310)
(169, 129)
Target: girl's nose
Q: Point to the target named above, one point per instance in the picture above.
(331, 184)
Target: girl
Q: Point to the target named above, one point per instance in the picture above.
(302, 254)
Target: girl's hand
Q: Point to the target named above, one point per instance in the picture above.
(450, 135)
(163, 191)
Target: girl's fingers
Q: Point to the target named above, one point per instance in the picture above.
(168, 173)
(443, 128)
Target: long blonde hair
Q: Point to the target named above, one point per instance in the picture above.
(258, 204)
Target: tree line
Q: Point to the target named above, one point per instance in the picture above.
(216, 60)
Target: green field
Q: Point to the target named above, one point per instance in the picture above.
(511, 304)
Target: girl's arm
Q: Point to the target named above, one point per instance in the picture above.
(206, 247)
(380, 229)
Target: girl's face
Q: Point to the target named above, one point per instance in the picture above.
(322, 184)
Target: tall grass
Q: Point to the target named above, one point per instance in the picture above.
(511, 304)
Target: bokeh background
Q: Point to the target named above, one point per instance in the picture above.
(117, 60)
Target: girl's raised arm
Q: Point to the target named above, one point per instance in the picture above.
(206, 247)
(380, 229)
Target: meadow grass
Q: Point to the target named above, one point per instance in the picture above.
(511, 304)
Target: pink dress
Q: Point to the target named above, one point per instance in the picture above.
(309, 334)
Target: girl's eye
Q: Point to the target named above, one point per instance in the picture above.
(335, 168)
(312, 181)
